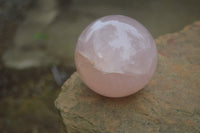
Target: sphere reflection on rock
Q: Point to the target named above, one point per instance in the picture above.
(116, 56)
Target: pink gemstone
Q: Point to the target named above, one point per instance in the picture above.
(116, 56)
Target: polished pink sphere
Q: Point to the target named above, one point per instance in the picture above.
(116, 56)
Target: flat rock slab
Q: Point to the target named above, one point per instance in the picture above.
(170, 103)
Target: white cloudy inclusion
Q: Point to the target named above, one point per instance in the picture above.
(115, 44)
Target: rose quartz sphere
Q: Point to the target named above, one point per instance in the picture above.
(116, 56)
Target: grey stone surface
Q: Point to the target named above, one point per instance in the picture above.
(168, 104)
